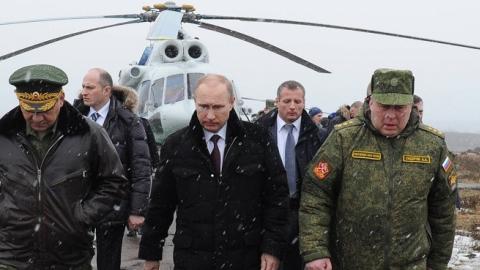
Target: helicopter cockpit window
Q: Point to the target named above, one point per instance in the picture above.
(175, 89)
(143, 96)
(157, 92)
(192, 79)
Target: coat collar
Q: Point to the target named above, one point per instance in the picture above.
(306, 125)
(234, 128)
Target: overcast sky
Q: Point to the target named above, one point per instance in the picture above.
(447, 78)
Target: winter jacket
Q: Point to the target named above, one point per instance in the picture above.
(223, 221)
(372, 202)
(309, 140)
(341, 115)
(128, 136)
(49, 206)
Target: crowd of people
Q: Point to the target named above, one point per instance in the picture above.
(367, 187)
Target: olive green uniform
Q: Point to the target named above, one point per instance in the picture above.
(372, 202)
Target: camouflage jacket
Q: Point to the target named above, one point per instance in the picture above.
(371, 202)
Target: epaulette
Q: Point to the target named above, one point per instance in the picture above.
(349, 123)
(432, 130)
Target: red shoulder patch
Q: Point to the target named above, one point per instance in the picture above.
(321, 170)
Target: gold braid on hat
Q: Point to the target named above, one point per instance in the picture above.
(45, 101)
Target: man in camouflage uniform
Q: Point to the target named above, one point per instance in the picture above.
(380, 192)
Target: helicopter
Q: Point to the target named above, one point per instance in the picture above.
(173, 61)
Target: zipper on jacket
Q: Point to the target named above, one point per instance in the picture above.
(226, 153)
(39, 189)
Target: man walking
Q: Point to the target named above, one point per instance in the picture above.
(380, 192)
(297, 138)
(99, 102)
(59, 176)
(225, 180)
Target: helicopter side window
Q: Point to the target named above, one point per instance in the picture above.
(157, 92)
(192, 79)
(175, 89)
(143, 95)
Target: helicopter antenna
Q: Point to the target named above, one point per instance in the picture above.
(261, 44)
(41, 44)
(355, 29)
(245, 113)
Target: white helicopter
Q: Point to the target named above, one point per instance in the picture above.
(173, 61)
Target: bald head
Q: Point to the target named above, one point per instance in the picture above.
(96, 88)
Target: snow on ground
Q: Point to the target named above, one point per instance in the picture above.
(464, 257)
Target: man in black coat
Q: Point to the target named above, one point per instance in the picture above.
(100, 103)
(225, 179)
(59, 176)
(298, 139)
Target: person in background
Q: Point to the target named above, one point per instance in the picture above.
(225, 180)
(355, 109)
(59, 176)
(340, 116)
(380, 192)
(100, 102)
(316, 115)
(418, 106)
(297, 139)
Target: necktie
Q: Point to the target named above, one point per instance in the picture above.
(215, 155)
(290, 163)
(95, 116)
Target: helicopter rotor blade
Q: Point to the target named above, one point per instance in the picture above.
(355, 29)
(121, 16)
(41, 44)
(260, 43)
(254, 99)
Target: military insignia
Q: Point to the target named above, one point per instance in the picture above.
(417, 159)
(452, 180)
(366, 155)
(447, 164)
(321, 170)
(394, 82)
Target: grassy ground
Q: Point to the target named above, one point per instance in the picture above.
(468, 218)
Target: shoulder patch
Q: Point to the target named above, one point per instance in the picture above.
(432, 130)
(321, 170)
(349, 123)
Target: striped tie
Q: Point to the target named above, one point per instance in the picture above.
(95, 116)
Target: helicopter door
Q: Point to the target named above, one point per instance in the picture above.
(156, 92)
(175, 89)
(192, 79)
(143, 97)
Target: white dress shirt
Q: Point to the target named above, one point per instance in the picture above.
(221, 142)
(282, 134)
(102, 112)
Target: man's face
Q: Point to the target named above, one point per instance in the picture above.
(93, 93)
(290, 104)
(213, 104)
(389, 120)
(41, 121)
(419, 107)
(317, 118)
